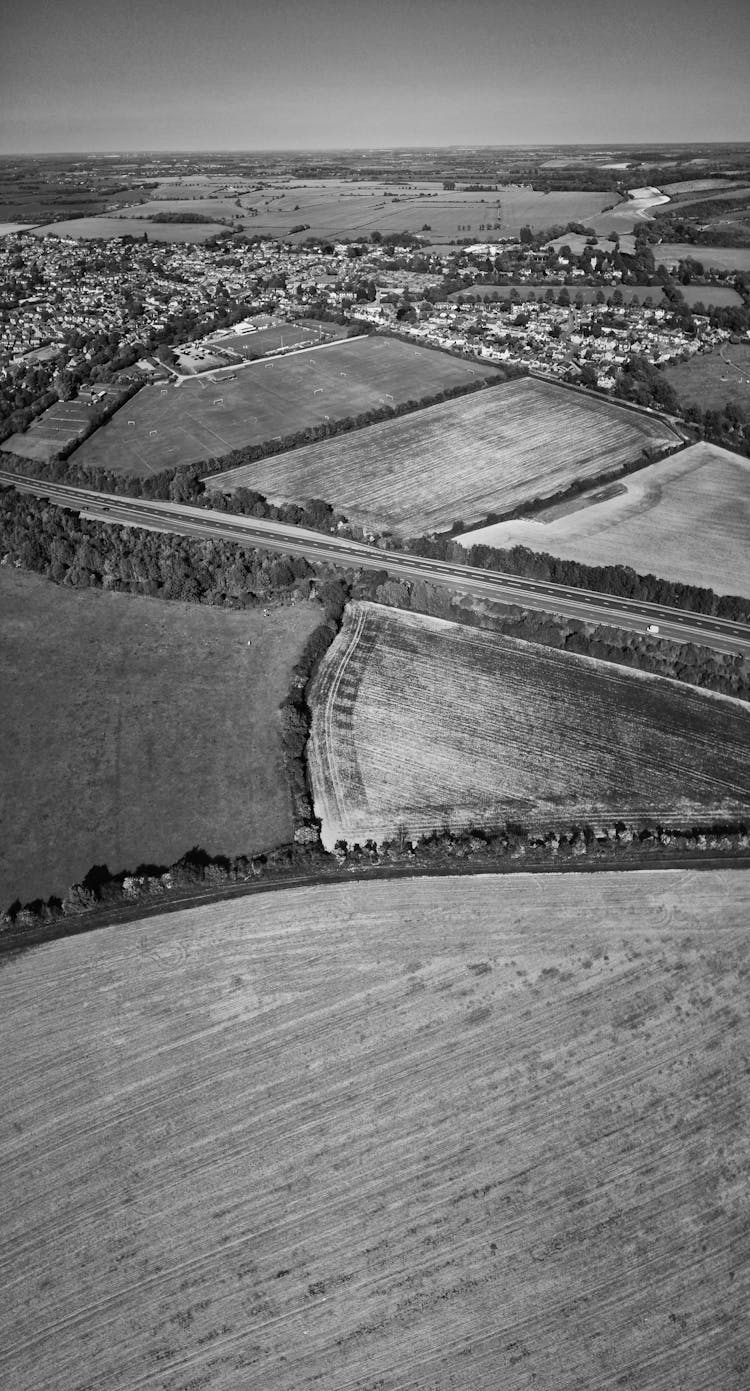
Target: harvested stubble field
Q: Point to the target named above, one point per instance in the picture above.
(202, 419)
(134, 729)
(421, 724)
(684, 518)
(482, 453)
(485, 1133)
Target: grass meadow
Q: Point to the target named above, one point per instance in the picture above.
(716, 257)
(684, 518)
(134, 729)
(420, 724)
(477, 1133)
(462, 459)
(712, 379)
(205, 419)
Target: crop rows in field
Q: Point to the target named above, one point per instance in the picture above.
(419, 724)
(460, 460)
(205, 419)
(684, 518)
(476, 1133)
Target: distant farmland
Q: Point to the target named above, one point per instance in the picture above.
(420, 724)
(134, 729)
(205, 419)
(104, 228)
(341, 207)
(480, 1133)
(684, 518)
(464, 459)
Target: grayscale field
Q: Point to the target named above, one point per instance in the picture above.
(420, 724)
(479, 1133)
(487, 452)
(684, 518)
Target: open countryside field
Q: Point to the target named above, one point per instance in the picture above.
(204, 204)
(344, 208)
(203, 419)
(684, 518)
(715, 257)
(482, 453)
(474, 1133)
(104, 228)
(712, 379)
(134, 729)
(420, 724)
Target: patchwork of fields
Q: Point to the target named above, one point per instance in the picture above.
(167, 425)
(420, 724)
(134, 729)
(684, 518)
(476, 1133)
(342, 207)
(487, 452)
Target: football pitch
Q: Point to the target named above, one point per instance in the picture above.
(165, 426)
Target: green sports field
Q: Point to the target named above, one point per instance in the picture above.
(164, 426)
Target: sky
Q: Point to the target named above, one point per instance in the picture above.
(110, 75)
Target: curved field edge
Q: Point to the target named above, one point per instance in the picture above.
(422, 725)
(377, 1134)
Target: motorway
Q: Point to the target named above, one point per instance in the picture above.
(723, 635)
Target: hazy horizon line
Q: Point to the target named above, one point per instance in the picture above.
(605, 147)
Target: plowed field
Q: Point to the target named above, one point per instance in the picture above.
(484, 1134)
(463, 459)
(420, 724)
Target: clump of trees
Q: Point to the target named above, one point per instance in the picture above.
(84, 554)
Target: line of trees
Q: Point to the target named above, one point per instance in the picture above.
(102, 892)
(182, 482)
(618, 580)
(86, 554)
